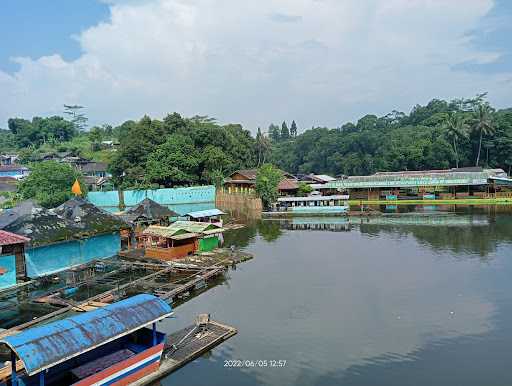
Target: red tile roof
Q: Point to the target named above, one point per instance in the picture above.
(8, 238)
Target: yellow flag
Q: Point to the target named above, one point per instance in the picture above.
(76, 188)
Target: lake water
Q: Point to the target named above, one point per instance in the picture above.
(411, 299)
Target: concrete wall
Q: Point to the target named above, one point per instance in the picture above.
(177, 199)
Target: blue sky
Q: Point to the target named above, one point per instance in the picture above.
(319, 62)
(42, 27)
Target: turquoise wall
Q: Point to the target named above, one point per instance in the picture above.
(57, 257)
(181, 200)
(8, 263)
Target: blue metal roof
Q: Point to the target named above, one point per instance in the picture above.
(205, 213)
(43, 347)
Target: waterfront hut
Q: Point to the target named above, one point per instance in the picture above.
(244, 181)
(72, 234)
(167, 243)
(456, 183)
(213, 216)
(149, 212)
(114, 345)
(210, 235)
(12, 258)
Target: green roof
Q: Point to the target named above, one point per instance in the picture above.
(194, 226)
(180, 228)
(412, 179)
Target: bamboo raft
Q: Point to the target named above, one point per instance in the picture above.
(193, 343)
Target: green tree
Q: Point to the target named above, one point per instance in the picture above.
(263, 147)
(174, 123)
(456, 129)
(49, 183)
(267, 181)
(293, 129)
(304, 189)
(173, 163)
(285, 132)
(482, 125)
(78, 118)
(273, 133)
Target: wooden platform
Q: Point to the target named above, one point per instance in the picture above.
(196, 344)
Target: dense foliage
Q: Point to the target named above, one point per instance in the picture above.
(49, 183)
(439, 135)
(267, 181)
(179, 151)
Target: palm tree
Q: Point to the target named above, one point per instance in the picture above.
(482, 124)
(456, 128)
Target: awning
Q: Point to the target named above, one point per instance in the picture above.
(40, 348)
(205, 213)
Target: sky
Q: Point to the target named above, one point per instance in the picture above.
(318, 62)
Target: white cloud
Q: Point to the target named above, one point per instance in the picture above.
(319, 62)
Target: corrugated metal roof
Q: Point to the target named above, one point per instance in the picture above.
(288, 184)
(193, 226)
(161, 231)
(184, 236)
(213, 231)
(415, 178)
(8, 238)
(43, 347)
(206, 213)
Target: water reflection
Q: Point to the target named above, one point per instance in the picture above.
(474, 233)
(388, 302)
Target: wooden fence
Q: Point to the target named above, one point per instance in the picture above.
(239, 202)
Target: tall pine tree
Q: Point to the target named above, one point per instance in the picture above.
(273, 133)
(293, 129)
(285, 132)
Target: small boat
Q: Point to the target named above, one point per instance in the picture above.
(114, 345)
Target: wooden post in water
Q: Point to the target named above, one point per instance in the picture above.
(14, 378)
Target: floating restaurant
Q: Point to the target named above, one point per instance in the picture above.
(472, 182)
(316, 204)
(114, 345)
(179, 240)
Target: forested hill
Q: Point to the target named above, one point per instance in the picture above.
(430, 137)
(183, 151)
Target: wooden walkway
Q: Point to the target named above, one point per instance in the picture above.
(193, 346)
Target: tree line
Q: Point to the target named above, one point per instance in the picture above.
(181, 151)
(439, 135)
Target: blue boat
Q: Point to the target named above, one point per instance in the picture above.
(114, 345)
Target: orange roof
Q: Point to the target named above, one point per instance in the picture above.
(8, 238)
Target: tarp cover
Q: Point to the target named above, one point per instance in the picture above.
(7, 271)
(43, 347)
(53, 258)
